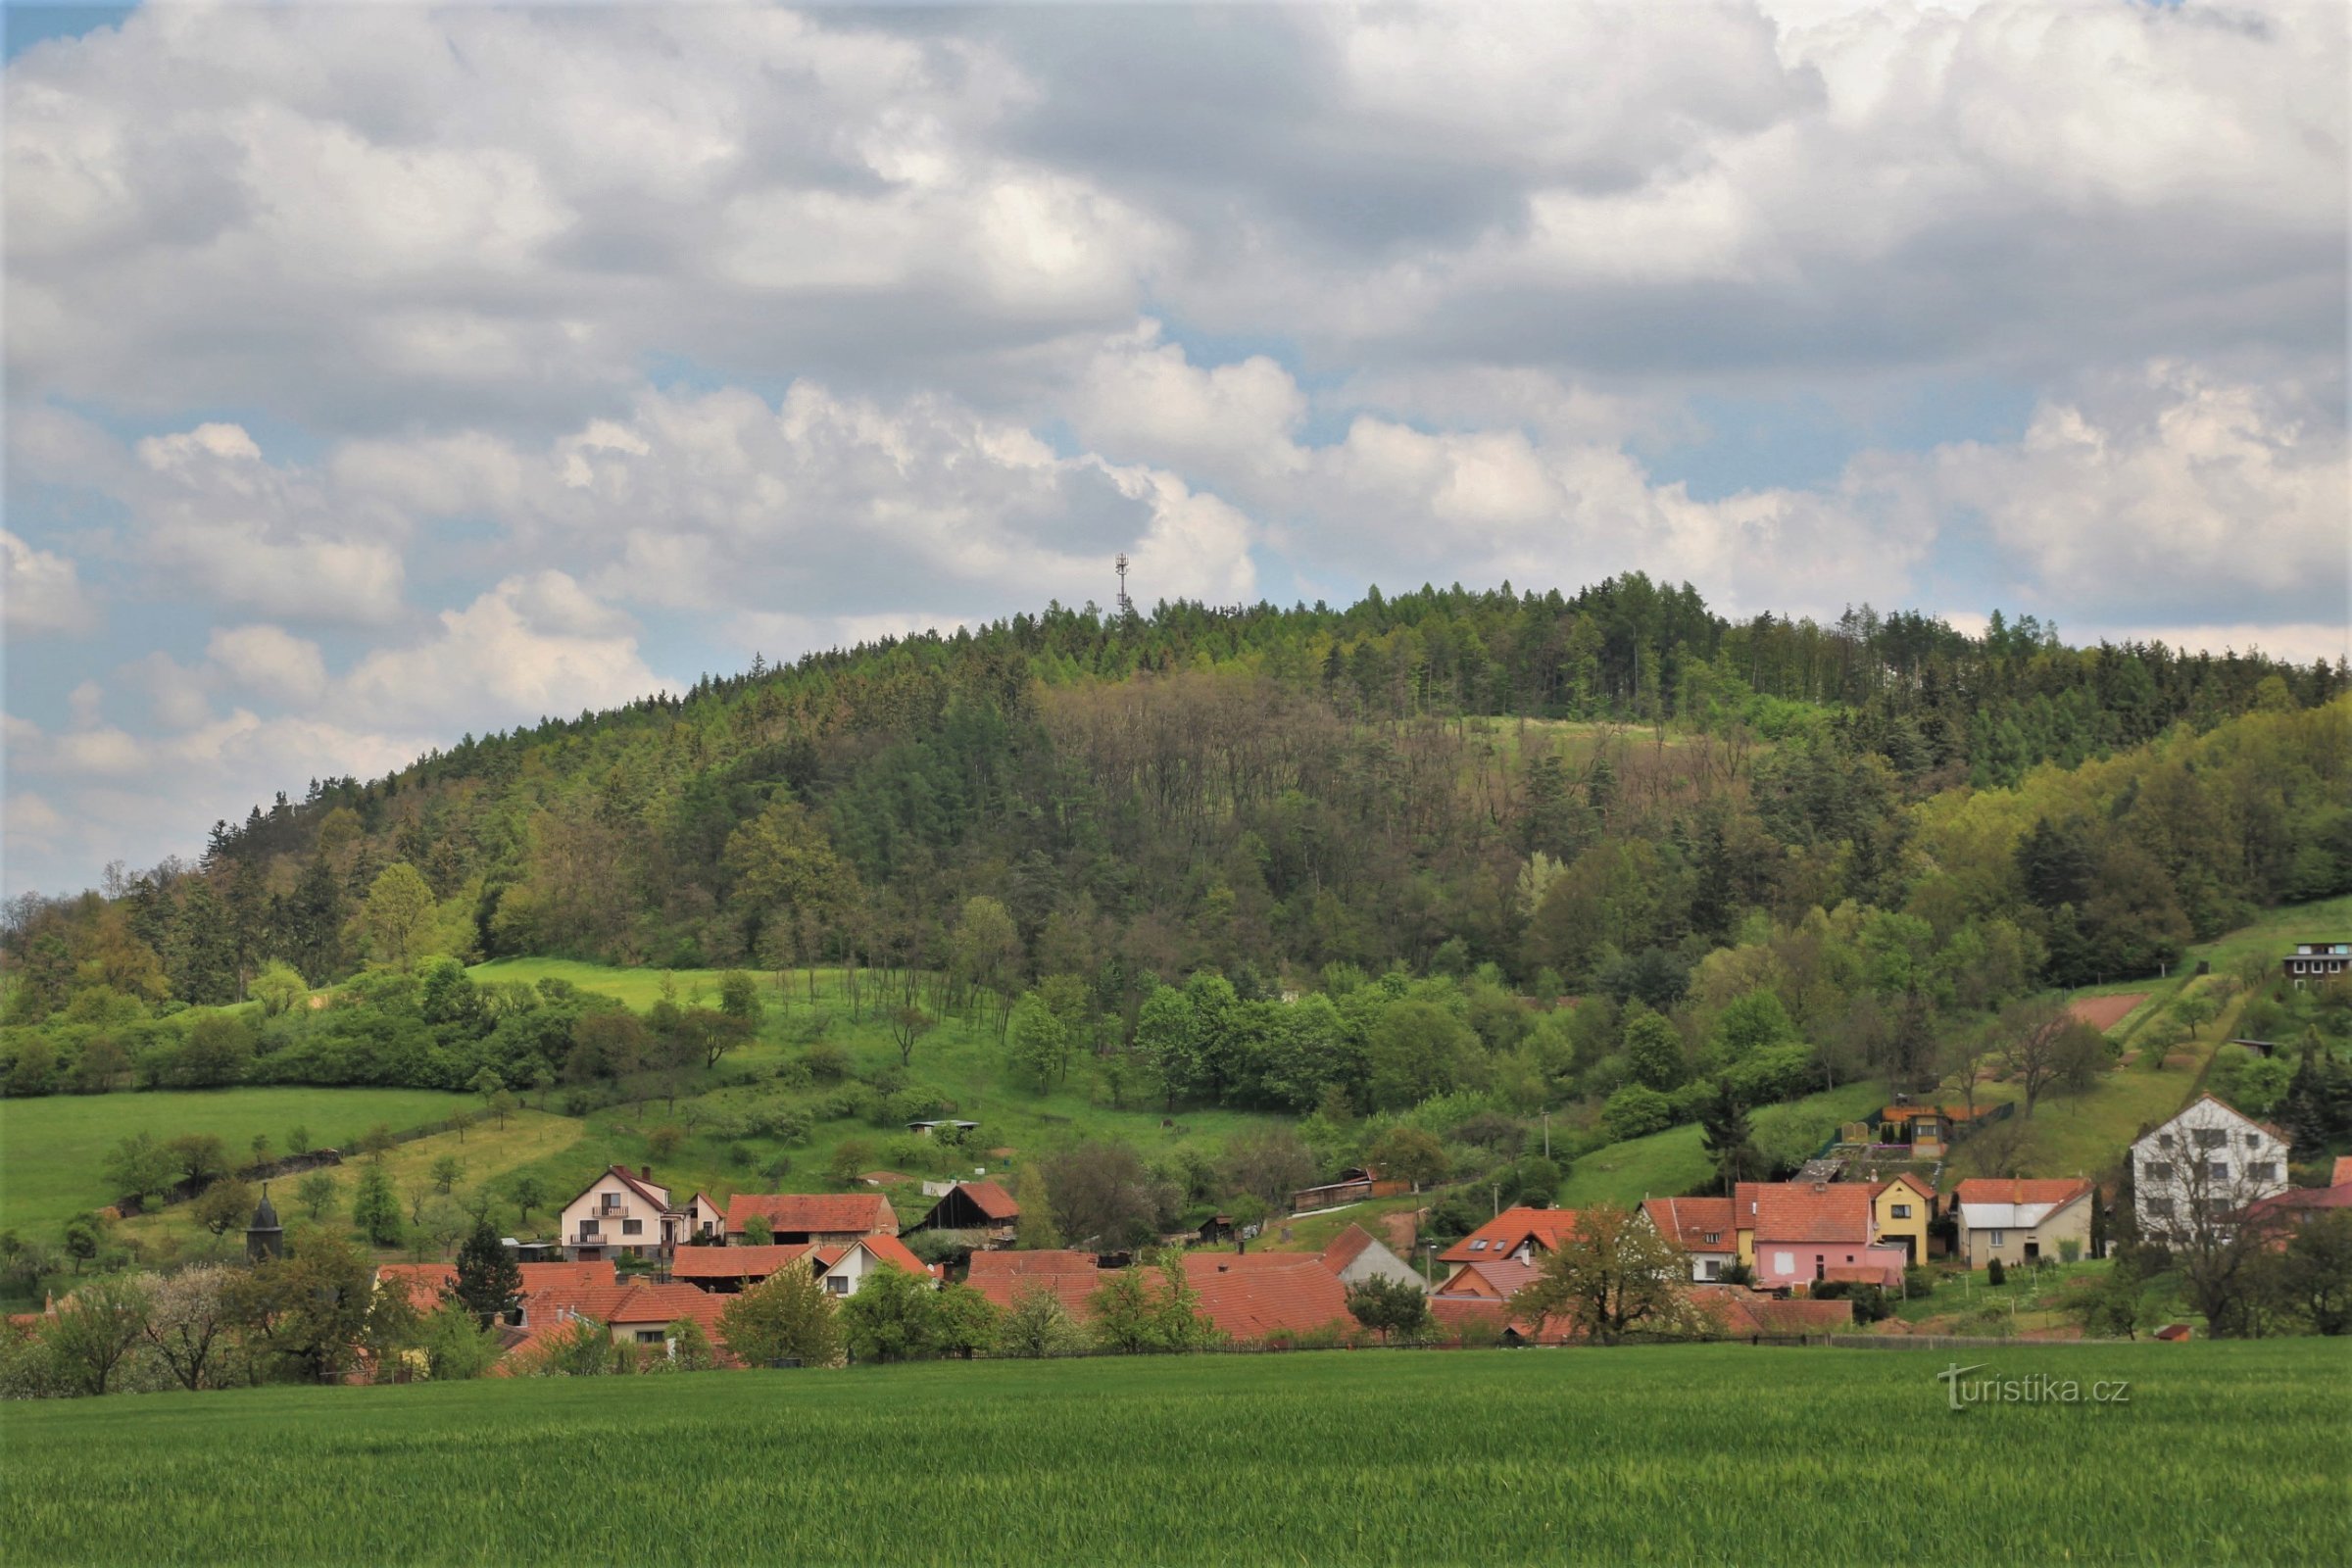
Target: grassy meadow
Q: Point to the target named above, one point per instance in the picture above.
(53, 1150)
(2224, 1453)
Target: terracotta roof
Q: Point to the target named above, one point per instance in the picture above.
(1071, 1276)
(2017, 1191)
(425, 1280)
(1346, 1247)
(734, 1263)
(1738, 1311)
(1457, 1312)
(1794, 1212)
(631, 1305)
(991, 1200)
(2297, 1198)
(1250, 1297)
(814, 1213)
(1686, 1222)
(1496, 1278)
(1504, 1234)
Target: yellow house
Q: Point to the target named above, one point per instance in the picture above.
(1899, 1210)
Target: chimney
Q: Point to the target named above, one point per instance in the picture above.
(647, 1171)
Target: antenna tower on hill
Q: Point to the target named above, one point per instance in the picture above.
(1126, 605)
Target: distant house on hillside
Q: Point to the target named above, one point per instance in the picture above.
(1798, 1231)
(1350, 1186)
(2316, 962)
(982, 1207)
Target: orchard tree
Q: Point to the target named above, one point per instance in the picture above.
(1389, 1307)
(1614, 1273)
(787, 1318)
(96, 1330)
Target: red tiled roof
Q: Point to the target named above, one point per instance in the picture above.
(1904, 1178)
(816, 1212)
(1687, 1221)
(1794, 1212)
(423, 1280)
(2054, 1190)
(658, 1196)
(991, 1200)
(734, 1263)
(1498, 1278)
(1457, 1312)
(1503, 1234)
(1249, 1296)
(1071, 1277)
(1737, 1312)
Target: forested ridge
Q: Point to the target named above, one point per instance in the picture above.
(1284, 789)
(1768, 856)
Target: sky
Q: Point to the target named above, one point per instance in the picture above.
(376, 374)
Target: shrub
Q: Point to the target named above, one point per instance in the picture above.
(1636, 1111)
(1995, 1273)
(2070, 1251)
(1919, 1281)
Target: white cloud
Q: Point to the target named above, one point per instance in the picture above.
(534, 647)
(41, 591)
(2172, 492)
(270, 660)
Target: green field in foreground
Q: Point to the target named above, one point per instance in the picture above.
(53, 1151)
(2224, 1453)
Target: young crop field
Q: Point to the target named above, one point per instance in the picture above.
(2222, 1454)
(53, 1150)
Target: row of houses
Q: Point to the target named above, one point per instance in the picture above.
(625, 1213)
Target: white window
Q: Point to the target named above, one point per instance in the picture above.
(1707, 1270)
(1902, 1212)
(838, 1283)
(1714, 1237)
(2156, 1170)
(1784, 1262)
(649, 1335)
(2210, 1138)
(2264, 1172)
(632, 1227)
(2161, 1208)
(1478, 1247)
(2218, 1170)
(1998, 1240)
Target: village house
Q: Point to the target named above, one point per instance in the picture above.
(1069, 1276)
(1517, 1232)
(1701, 1228)
(2316, 962)
(706, 1220)
(846, 1269)
(1900, 1209)
(728, 1270)
(823, 1219)
(2210, 1161)
(1797, 1234)
(1355, 1256)
(1492, 1279)
(622, 1213)
(980, 1207)
(2020, 1221)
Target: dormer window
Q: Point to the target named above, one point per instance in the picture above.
(1714, 1237)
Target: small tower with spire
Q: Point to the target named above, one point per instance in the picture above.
(264, 1238)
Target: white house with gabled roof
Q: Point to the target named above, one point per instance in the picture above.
(622, 1213)
(2207, 1163)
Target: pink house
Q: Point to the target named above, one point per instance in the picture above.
(1808, 1233)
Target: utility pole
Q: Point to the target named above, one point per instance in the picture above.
(1547, 1134)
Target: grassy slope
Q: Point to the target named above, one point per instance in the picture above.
(488, 1152)
(1670, 1163)
(2069, 1135)
(53, 1151)
(1678, 1454)
(960, 1058)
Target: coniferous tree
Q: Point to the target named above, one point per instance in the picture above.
(489, 1280)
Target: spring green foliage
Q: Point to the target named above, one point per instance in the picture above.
(2242, 1442)
(786, 1317)
(1038, 1326)
(376, 1208)
(1394, 1310)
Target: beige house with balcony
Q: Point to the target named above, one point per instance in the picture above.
(622, 1215)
